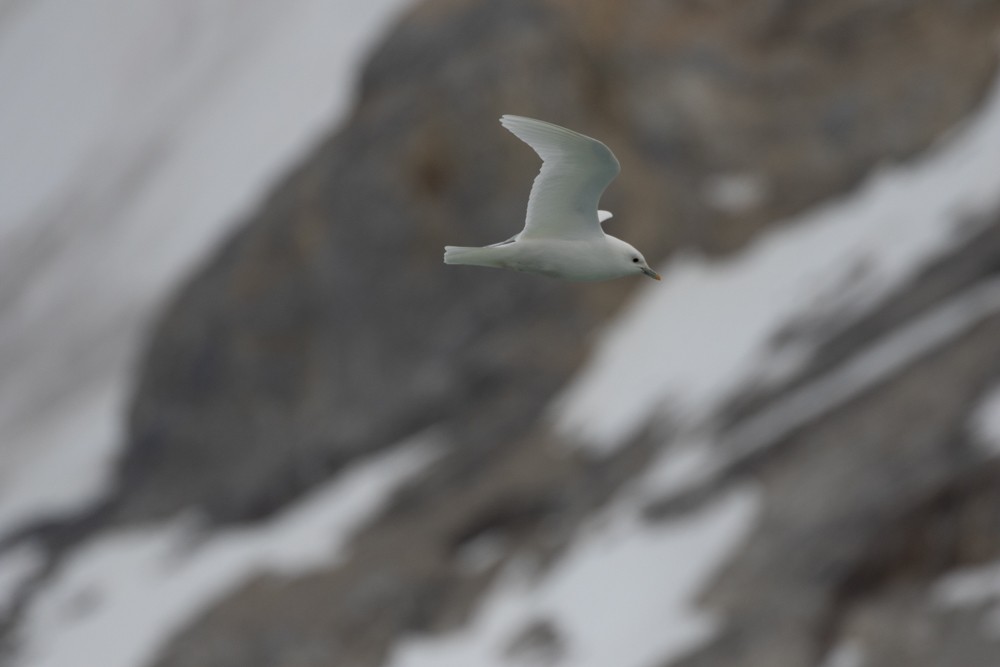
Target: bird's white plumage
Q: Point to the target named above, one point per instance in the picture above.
(575, 172)
(562, 235)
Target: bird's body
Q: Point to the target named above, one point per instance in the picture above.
(562, 235)
(583, 260)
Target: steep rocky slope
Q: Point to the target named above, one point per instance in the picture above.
(328, 324)
(326, 330)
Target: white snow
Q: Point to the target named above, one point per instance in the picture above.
(71, 447)
(132, 137)
(481, 553)
(986, 422)
(735, 193)
(969, 586)
(122, 595)
(697, 458)
(973, 587)
(846, 654)
(707, 329)
(16, 568)
(622, 594)
(686, 465)
(873, 364)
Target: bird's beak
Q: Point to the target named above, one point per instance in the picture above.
(651, 273)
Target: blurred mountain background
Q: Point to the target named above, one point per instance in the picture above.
(248, 417)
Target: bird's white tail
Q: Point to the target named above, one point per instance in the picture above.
(472, 256)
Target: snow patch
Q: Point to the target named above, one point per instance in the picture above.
(621, 595)
(986, 422)
(694, 460)
(132, 137)
(63, 462)
(845, 654)
(969, 587)
(17, 567)
(481, 553)
(735, 193)
(692, 340)
(973, 587)
(871, 365)
(686, 465)
(122, 595)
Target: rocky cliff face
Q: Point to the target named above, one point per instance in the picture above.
(328, 324)
(327, 330)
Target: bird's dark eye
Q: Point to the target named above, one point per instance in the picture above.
(635, 260)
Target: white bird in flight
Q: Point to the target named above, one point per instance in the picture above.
(562, 235)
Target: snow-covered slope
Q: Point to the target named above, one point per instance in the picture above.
(124, 594)
(709, 330)
(986, 426)
(896, 223)
(616, 554)
(132, 136)
(621, 596)
(221, 97)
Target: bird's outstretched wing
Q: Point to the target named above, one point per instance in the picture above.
(575, 171)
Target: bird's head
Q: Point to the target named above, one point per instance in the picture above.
(633, 259)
